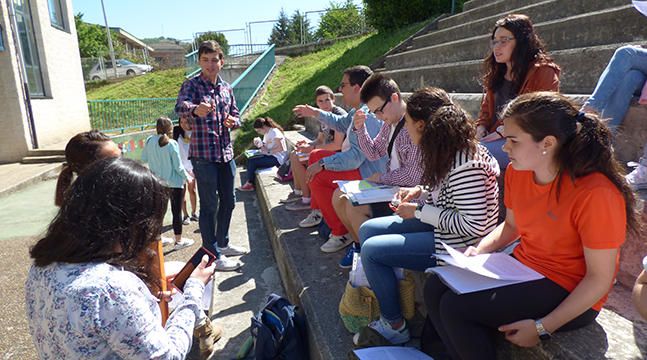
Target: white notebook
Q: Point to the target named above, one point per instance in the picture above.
(465, 274)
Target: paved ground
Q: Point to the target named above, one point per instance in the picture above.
(25, 214)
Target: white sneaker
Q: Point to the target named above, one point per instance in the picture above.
(313, 219)
(336, 243)
(637, 179)
(226, 264)
(233, 250)
(186, 221)
(394, 336)
(184, 242)
(167, 241)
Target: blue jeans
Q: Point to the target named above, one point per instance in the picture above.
(496, 150)
(215, 182)
(623, 77)
(259, 162)
(389, 242)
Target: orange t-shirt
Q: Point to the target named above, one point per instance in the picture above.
(590, 212)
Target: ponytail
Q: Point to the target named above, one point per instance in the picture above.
(268, 122)
(584, 141)
(63, 183)
(164, 127)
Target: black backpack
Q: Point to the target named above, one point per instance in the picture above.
(279, 331)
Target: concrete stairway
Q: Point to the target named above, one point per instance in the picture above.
(581, 35)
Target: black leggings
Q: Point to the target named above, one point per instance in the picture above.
(467, 324)
(176, 195)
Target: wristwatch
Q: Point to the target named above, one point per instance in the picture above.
(418, 212)
(321, 163)
(543, 333)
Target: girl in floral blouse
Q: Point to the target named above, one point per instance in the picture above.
(88, 292)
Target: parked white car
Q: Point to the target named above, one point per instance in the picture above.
(124, 68)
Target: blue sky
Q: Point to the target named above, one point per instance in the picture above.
(181, 19)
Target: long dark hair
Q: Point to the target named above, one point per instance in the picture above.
(583, 149)
(447, 131)
(266, 121)
(528, 49)
(112, 213)
(82, 150)
(164, 127)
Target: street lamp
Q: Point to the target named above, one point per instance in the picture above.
(112, 50)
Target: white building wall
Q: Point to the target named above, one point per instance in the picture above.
(63, 111)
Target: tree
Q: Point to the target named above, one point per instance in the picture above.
(299, 29)
(280, 31)
(213, 35)
(93, 41)
(340, 19)
(386, 15)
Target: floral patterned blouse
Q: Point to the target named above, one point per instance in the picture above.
(99, 311)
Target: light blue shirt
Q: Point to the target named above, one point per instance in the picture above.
(353, 158)
(165, 162)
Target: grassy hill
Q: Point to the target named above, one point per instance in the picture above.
(158, 84)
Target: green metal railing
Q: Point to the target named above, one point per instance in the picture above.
(120, 115)
(249, 82)
(236, 51)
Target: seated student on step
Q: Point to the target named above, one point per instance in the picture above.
(89, 292)
(273, 150)
(570, 206)
(82, 150)
(404, 167)
(623, 78)
(460, 204)
(640, 291)
(327, 139)
(518, 64)
(350, 164)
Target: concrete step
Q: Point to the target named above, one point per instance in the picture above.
(540, 12)
(486, 10)
(473, 4)
(43, 159)
(46, 152)
(621, 24)
(581, 69)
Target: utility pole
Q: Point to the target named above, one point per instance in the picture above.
(112, 50)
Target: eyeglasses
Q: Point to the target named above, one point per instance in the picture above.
(503, 41)
(381, 109)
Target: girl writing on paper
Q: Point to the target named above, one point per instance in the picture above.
(274, 150)
(568, 202)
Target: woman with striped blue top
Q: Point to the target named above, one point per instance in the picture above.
(457, 203)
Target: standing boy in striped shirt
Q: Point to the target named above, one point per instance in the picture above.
(209, 102)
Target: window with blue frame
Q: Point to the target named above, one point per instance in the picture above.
(29, 48)
(56, 14)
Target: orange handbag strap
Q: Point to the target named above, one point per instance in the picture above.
(161, 275)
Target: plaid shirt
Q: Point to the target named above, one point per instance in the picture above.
(210, 139)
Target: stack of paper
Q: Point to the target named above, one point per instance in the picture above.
(363, 192)
(467, 274)
(252, 152)
(391, 353)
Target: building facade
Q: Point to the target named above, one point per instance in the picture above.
(42, 95)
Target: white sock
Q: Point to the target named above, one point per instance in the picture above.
(305, 200)
(298, 192)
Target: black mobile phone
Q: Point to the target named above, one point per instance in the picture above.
(180, 278)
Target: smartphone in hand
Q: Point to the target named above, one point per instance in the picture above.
(180, 278)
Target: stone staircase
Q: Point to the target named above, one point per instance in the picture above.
(581, 35)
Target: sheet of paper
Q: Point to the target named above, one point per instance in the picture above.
(366, 192)
(496, 265)
(463, 281)
(641, 6)
(391, 353)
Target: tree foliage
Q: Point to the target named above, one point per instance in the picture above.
(340, 19)
(280, 31)
(386, 15)
(291, 30)
(93, 42)
(213, 35)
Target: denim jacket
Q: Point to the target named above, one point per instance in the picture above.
(353, 158)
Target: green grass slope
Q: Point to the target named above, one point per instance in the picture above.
(158, 84)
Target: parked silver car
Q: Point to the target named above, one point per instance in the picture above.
(124, 68)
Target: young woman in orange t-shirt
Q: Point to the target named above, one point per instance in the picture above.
(569, 204)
